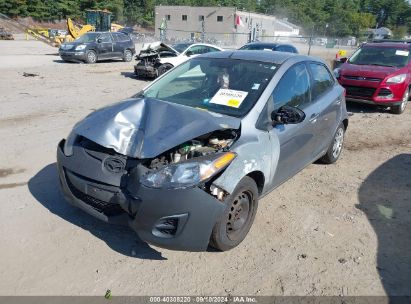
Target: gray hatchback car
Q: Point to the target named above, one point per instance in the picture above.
(185, 161)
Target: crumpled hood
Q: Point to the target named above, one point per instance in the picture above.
(158, 46)
(145, 128)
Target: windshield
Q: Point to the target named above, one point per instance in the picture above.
(382, 56)
(226, 86)
(181, 47)
(89, 37)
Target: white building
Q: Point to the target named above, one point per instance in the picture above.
(225, 24)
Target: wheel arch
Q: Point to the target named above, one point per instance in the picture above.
(345, 123)
(259, 179)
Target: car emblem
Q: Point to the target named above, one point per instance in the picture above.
(114, 164)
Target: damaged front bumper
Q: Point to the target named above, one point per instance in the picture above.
(179, 219)
(145, 70)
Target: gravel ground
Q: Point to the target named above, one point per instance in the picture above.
(342, 229)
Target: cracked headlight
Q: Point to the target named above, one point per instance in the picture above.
(187, 174)
(68, 145)
(81, 47)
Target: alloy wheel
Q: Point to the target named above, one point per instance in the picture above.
(338, 142)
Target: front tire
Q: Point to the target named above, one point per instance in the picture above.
(91, 57)
(336, 146)
(401, 108)
(241, 207)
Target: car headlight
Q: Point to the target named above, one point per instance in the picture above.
(187, 174)
(337, 72)
(80, 47)
(68, 145)
(397, 79)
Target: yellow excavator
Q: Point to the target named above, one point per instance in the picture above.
(74, 32)
(96, 20)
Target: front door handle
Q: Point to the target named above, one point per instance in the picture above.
(314, 117)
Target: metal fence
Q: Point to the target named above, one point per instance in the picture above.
(327, 48)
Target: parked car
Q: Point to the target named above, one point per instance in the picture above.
(185, 161)
(379, 74)
(269, 46)
(95, 46)
(157, 58)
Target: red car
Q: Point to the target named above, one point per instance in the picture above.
(378, 73)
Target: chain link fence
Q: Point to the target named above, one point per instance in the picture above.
(327, 48)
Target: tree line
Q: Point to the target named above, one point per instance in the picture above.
(336, 18)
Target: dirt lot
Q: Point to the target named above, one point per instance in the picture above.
(342, 229)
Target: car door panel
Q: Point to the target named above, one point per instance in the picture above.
(297, 141)
(328, 101)
(297, 145)
(117, 45)
(105, 47)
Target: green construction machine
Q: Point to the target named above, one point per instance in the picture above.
(100, 19)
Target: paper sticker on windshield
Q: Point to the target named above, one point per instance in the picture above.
(229, 98)
(402, 53)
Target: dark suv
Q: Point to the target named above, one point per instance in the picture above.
(378, 73)
(94, 46)
(269, 46)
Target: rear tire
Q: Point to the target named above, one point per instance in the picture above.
(128, 56)
(336, 146)
(401, 108)
(91, 57)
(241, 207)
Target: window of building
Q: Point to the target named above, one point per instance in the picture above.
(168, 17)
(184, 17)
(201, 18)
(219, 18)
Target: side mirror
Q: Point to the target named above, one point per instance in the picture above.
(343, 60)
(189, 53)
(287, 115)
(99, 40)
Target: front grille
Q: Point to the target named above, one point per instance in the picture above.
(359, 91)
(372, 79)
(109, 209)
(384, 92)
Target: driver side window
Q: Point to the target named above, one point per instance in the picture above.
(293, 89)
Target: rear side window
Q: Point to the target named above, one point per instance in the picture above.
(285, 48)
(294, 88)
(105, 37)
(122, 37)
(322, 80)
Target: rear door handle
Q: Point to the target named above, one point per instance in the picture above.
(314, 117)
(338, 101)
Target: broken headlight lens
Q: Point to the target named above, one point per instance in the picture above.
(69, 143)
(187, 174)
